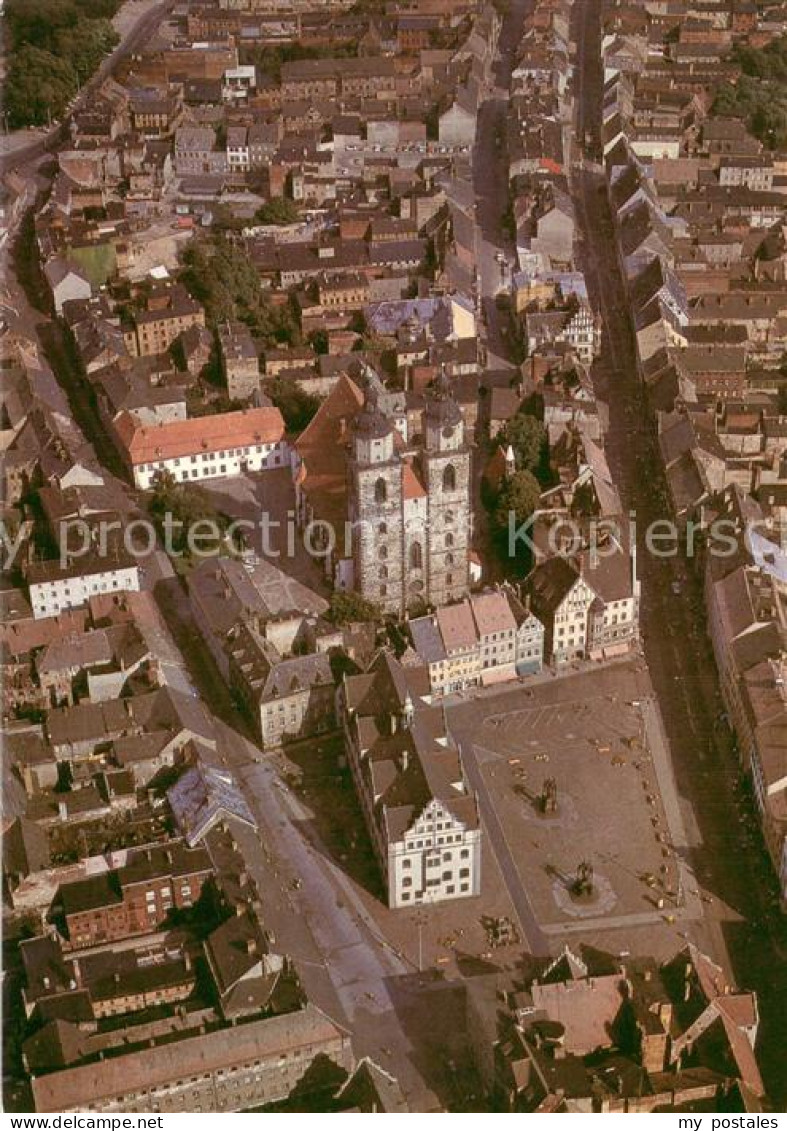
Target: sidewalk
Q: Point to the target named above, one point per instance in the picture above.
(547, 675)
(656, 743)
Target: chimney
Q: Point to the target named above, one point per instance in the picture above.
(251, 946)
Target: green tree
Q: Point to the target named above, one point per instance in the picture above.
(269, 59)
(85, 45)
(370, 342)
(294, 403)
(221, 275)
(38, 87)
(38, 22)
(347, 607)
(518, 497)
(528, 437)
(584, 502)
(761, 102)
(768, 62)
(186, 505)
(279, 210)
(56, 45)
(319, 341)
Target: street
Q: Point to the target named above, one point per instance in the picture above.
(727, 856)
(496, 254)
(345, 966)
(313, 907)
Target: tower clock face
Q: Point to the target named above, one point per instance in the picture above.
(448, 432)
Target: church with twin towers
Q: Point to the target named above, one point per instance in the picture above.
(405, 493)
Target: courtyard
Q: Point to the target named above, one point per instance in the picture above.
(267, 502)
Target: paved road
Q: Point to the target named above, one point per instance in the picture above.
(727, 856)
(345, 966)
(490, 182)
(533, 938)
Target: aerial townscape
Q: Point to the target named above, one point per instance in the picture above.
(394, 534)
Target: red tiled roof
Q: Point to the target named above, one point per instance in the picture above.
(412, 487)
(321, 448)
(201, 434)
(492, 613)
(457, 626)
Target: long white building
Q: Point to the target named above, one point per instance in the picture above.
(205, 447)
(55, 588)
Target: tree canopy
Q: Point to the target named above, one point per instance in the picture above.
(294, 403)
(186, 504)
(56, 45)
(347, 606)
(528, 437)
(519, 497)
(269, 58)
(760, 94)
(40, 22)
(223, 278)
(278, 210)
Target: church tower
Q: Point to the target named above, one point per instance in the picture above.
(446, 461)
(375, 504)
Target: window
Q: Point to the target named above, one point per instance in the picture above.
(416, 556)
(449, 478)
(383, 572)
(380, 491)
(449, 539)
(382, 528)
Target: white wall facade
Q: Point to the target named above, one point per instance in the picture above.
(50, 598)
(213, 465)
(438, 859)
